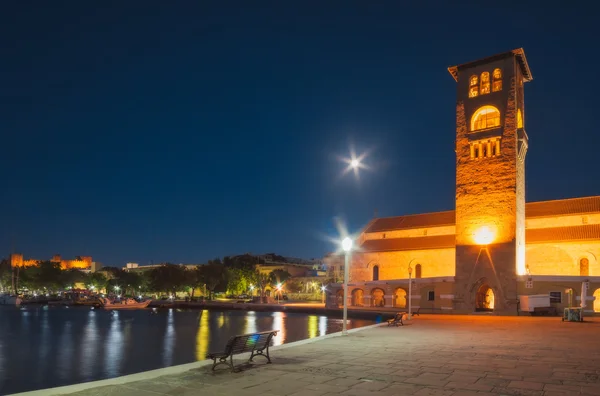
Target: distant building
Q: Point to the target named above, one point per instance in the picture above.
(80, 262)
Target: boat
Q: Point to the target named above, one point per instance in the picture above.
(6, 299)
(129, 303)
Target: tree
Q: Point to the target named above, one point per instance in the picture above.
(71, 277)
(169, 278)
(194, 278)
(280, 276)
(262, 280)
(6, 272)
(213, 274)
(97, 280)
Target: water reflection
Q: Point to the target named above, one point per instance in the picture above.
(44, 348)
(278, 324)
(113, 347)
(202, 336)
(89, 350)
(169, 340)
(322, 325)
(313, 326)
(221, 320)
(65, 350)
(44, 345)
(250, 323)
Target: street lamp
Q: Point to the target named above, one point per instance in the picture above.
(354, 163)
(278, 292)
(252, 290)
(347, 247)
(409, 291)
(323, 294)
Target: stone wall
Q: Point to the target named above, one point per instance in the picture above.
(563, 258)
(394, 265)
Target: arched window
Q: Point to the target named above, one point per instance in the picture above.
(519, 119)
(484, 118)
(584, 267)
(375, 272)
(473, 87)
(485, 83)
(418, 271)
(497, 85)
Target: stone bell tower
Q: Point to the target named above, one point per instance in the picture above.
(491, 144)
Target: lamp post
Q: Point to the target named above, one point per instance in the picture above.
(347, 247)
(409, 292)
(323, 294)
(278, 291)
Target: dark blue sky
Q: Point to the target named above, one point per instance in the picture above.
(181, 131)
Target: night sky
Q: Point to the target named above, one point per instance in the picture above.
(181, 131)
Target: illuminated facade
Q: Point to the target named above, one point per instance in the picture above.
(80, 262)
(493, 247)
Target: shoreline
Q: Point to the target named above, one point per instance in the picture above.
(177, 369)
(303, 308)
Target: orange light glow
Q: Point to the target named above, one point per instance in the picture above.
(484, 236)
(485, 117)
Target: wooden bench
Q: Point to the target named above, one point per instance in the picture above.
(255, 343)
(397, 320)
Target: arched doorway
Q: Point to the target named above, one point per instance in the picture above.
(357, 298)
(484, 300)
(584, 267)
(400, 298)
(377, 298)
(597, 300)
(339, 298)
(375, 272)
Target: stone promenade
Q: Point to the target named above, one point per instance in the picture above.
(432, 355)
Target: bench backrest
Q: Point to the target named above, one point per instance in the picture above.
(249, 342)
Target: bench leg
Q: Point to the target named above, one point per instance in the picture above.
(231, 364)
(221, 361)
(260, 353)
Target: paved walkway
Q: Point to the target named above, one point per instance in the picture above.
(433, 355)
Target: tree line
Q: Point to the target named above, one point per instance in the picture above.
(234, 275)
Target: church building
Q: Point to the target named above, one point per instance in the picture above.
(494, 247)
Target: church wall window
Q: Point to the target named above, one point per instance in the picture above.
(485, 83)
(375, 272)
(431, 295)
(497, 82)
(519, 119)
(484, 118)
(473, 87)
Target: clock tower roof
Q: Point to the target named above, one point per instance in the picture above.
(518, 53)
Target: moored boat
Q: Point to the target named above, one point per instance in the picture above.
(6, 299)
(129, 303)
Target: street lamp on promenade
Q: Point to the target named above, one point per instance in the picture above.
(409, 291)
(347, 247)
(323, 294)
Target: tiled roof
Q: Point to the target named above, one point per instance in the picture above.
(564, 234)
(416, 243)
(559, 207)
(412, 221)
(563, 207)
(536, 235)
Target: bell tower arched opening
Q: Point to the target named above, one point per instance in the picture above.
(484, 300)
